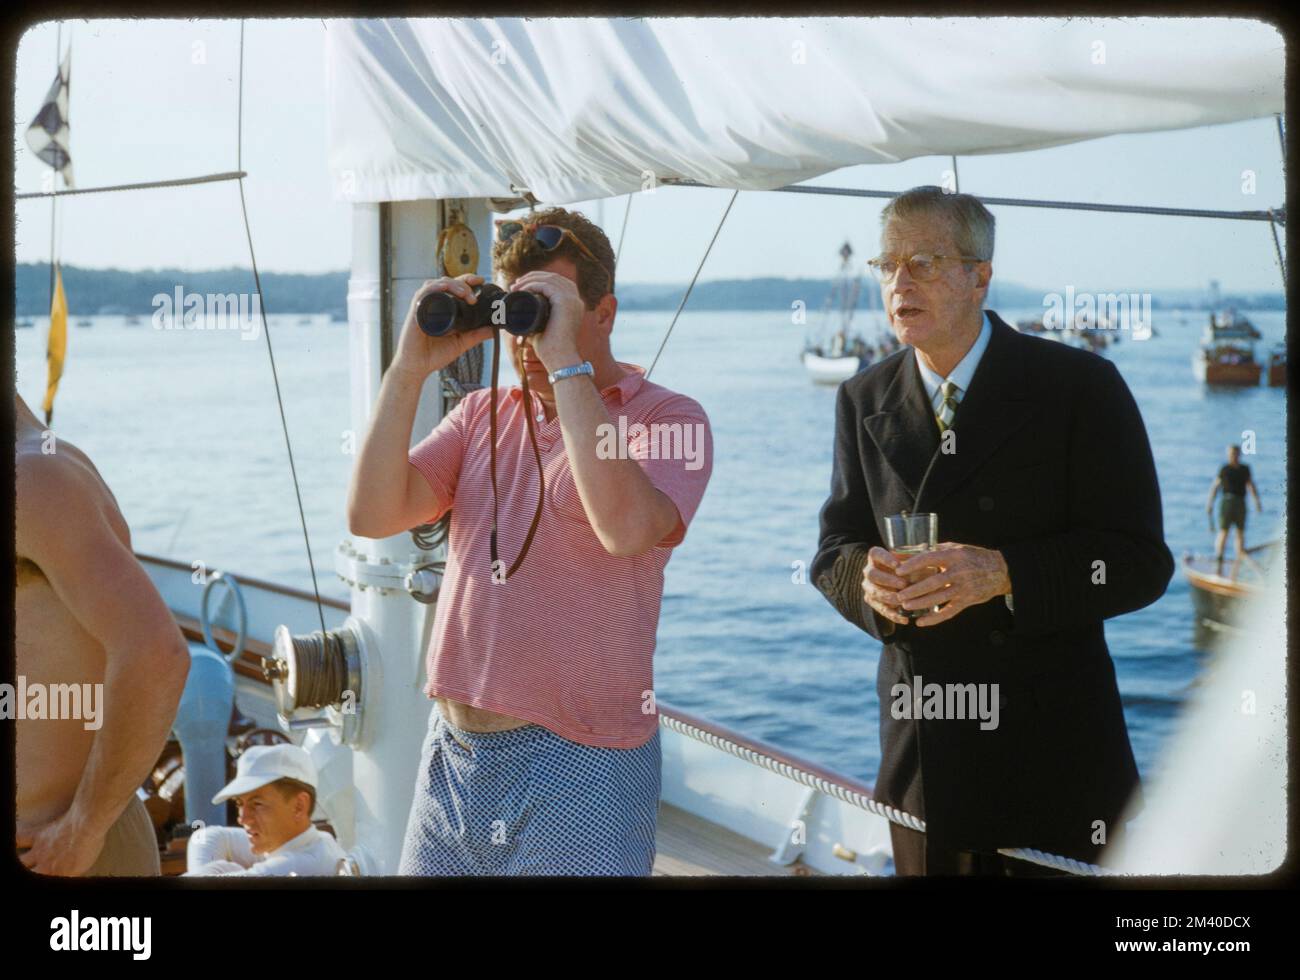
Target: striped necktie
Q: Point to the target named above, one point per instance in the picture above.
(948, 409)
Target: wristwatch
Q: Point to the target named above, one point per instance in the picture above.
(571, 371)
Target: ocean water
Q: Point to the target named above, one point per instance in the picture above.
(184, 427)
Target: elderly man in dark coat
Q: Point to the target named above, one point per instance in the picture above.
(1000, 719)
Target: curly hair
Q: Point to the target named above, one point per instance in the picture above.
(522, 253)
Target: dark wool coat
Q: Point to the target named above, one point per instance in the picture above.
(1053, 468)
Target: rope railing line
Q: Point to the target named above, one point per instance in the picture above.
(1057, 862)
(146, 185)
(801, 776)
(861, 800)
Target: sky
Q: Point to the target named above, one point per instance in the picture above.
(157, 99)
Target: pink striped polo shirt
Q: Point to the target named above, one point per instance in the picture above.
(567, 641)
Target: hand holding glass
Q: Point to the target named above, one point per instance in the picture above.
(908, 535)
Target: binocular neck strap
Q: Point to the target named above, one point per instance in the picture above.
(537, 454)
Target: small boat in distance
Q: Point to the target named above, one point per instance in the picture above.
(304, 321)
(1277, 366)
(1230, 323)
(1142, 330)
(1220, 589)
(24, 323)
(1088, 331)
(833, 369)
(1037, 328)
(1227, 352)
(85, 322)
(833, 359)
(132, 320)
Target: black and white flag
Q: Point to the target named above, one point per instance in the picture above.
(48, 133)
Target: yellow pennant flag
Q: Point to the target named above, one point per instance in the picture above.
(57, 347)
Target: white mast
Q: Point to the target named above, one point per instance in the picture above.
(393, 253)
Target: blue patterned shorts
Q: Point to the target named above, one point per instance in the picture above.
(529, 802)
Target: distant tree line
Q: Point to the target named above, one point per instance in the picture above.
(109, 291)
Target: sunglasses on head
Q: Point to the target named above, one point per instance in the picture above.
(549, 238)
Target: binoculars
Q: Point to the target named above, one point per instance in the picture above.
(520, 313)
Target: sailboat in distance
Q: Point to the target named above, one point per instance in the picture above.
(832, 356)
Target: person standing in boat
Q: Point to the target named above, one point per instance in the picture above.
(1035, 459)
(88, 620)
(1233, 481)
(542, 753)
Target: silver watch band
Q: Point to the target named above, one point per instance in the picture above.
(571, 371)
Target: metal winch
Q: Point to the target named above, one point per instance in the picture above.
(316, 678)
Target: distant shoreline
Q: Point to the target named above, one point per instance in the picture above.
(93, 292)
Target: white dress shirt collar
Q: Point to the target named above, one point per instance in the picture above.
(965, 370)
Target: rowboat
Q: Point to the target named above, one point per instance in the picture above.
(1221, 589)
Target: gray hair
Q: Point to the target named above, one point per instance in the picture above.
(971, 222)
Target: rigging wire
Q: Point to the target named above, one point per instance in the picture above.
(67, 119)
(1277, 249)
(619, 251)
(58, 70)
(1272, 224)
(1279, 214)
(1281, 138)
(698, 270)
(266, 332)
(145, 185)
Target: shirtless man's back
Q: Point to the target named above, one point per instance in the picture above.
(86, 614)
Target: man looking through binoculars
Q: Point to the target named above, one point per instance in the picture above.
(542, 754)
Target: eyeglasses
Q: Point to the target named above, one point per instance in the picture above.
(922, 267)
(549, 238)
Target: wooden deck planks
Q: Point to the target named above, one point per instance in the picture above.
(689, 846)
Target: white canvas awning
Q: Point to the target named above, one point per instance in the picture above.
(575, 110)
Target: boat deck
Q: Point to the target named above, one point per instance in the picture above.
(687, 846)
(690, 846)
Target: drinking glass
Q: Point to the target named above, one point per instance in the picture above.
(912, 534)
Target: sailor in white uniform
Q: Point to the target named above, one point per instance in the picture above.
(275, 792)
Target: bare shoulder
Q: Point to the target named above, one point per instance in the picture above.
(46, 481)
(60, 489)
